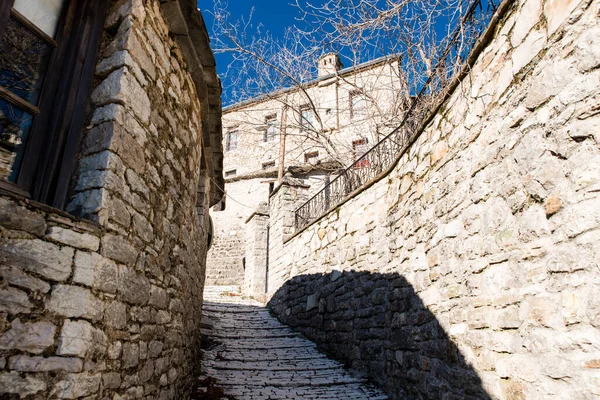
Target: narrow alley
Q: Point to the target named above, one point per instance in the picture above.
(253, 356)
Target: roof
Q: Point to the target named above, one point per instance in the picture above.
(343, 72)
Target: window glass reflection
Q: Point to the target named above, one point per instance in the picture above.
(23, 61)
(15, 125)
(42, 13)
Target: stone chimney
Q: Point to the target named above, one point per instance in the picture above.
(329, 64)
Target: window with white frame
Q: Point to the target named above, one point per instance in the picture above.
(358, 104)
(271, 131)
(307, 118)
(232, 140)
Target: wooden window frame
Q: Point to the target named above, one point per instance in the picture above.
(51, 149)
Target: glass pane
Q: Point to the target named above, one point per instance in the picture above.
(42, 13)
(15, 125)
(23, 61)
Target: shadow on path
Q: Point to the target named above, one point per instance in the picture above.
(378, 325)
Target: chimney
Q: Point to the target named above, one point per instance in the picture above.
(329, 64)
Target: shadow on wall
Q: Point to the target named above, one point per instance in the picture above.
(377, 324)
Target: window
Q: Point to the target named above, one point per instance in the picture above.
(307, 118)
(271, 131)
(268, 165)
(311, 157)
(359, 148)
(230, 173)
(232, 140)
(45, 76)
(358, 104)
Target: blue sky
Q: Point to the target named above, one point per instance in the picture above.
(275, 15)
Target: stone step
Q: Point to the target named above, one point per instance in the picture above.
(254, 357)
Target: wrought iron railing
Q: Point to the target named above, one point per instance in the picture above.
(383, 155)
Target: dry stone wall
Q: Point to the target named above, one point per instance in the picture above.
(471, 270)
(109, 306)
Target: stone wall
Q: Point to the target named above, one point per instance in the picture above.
(473, 266)
(225, 264)
(108, 306)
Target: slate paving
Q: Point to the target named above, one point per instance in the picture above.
(254, 357)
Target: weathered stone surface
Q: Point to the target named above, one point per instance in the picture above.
(77, 385)
(32, 337)
(116, 315)
(131, 355)
(121, 87)
(44, 364)
(93, 270)
(118, 249)
(134, 287)
(75, 338)
(75, 301)
(16, 277)
(111, 380)
(43, 258)
(14, 301)
(13, 383)
(14, 216)
(73, 239)
(158, 297)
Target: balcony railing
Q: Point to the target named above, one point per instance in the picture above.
(383, 155)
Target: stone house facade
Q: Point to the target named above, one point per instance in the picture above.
(310, 132)
(111, 157)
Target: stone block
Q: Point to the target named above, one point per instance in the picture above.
(43, 258)
(134, 288)
(75, 301)
(14, 301)
(527, 17)
(557, 11)
(158, 297)
(119, 249)
(13, 383)
(16, 277)
(15, 216)
(45, 364)
(122, 88)
(116, 315)
(93, 270)
(75, 339)
(131, 355)
(32, 337)
(71, 238)
(77, 385)
(111, 380)
(312, 301)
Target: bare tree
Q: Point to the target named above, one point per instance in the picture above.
(403, 36)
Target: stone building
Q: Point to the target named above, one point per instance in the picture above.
(310, 131)
(110, 157)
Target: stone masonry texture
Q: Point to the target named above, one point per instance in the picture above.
(254, 357)
(471, 270)
(104, 302)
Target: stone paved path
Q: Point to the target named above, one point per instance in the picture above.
(254, 357)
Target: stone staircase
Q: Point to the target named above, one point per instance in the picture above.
(253, 356)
